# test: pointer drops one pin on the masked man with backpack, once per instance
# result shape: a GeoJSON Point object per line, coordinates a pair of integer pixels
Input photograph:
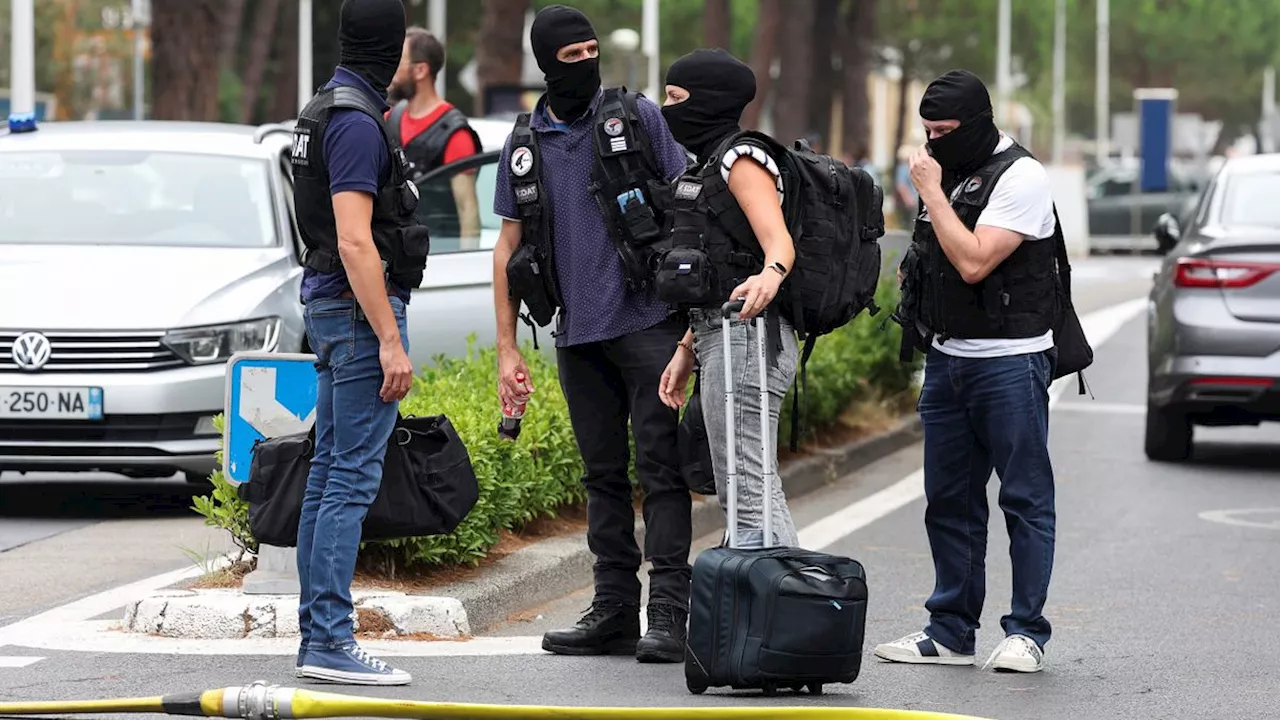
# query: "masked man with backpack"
{"type": "Point", "coordinates": [580, 186]}
{"type": "Point", "coordinates": [707, 90]}
{"type": "Point", "coordinates": [986, 289]}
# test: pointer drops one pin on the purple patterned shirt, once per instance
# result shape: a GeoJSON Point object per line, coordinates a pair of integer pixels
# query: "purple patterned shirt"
{"type": "Point", "coordinates": [597, 304]}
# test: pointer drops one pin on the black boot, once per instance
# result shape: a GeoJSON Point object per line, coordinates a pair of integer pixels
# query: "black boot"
{"type": "Point", "coordinates": [605, 630]}
{"type": "Point", "coordinates": [665, 639]}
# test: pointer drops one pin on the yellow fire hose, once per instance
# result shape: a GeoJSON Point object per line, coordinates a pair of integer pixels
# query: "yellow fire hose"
{"type": "Point", "coordinates": [259, 701]}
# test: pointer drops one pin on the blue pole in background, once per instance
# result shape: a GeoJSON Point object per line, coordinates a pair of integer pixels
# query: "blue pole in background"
{"type": "Point", "coordinates": [1155, 111]}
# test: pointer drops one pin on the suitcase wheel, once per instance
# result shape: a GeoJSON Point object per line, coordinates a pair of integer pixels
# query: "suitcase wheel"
{"type": "Point", "coordinates": [815, 688]}
{"type": "Point", "coordinates": [769, 689]}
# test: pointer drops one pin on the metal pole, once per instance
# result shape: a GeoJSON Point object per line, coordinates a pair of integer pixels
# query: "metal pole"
{"type": "Point", "coordinates": [138, 24]}
{"type": "Point", "coordinates": [649, 46]}
{"type": "Point", "coordinates": [1103, 83]}
{"type": "Point", "coordinates": [304, 53]}
{"type": "Point", "coordinates": [1059, 81]}
{"type": "Point", "coordinates": [22, 66]}
{"type": "Point", "coordinates": [1003, 79]}
{"type": "Point", "coordinates": [436, 23]}
{"type": "Point", "coordinates": [1268, 108]}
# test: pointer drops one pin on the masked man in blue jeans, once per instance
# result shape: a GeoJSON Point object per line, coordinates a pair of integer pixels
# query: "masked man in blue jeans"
{"type": "Point", "coordinates": [346, 185]}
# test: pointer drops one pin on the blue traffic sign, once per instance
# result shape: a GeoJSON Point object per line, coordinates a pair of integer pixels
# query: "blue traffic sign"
{"type": "Point", "coordinates": [268, 395]}
{"type": "Point", "coordinates": [1156, 110]}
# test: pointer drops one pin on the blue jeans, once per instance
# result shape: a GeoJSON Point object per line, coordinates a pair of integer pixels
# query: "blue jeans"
{"type": "Point", "coordinates": [352, 426]}
{"type": "Point", "coordinates": [979, 415]}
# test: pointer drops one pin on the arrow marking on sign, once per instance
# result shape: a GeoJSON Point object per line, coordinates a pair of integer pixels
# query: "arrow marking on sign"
{"type": "Point", "coordinates": [260, 408]}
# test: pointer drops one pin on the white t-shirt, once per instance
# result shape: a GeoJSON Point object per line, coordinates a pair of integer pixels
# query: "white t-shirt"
{"type": "Point", "coordinates": [1022, 202]}
{"type": "Point", "coordinates": [755, 153]}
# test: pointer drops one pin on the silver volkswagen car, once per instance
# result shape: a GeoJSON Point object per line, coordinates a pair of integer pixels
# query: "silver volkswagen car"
{"type": "Point", "coordinates": [137, 257]}
{"type": "Point", "coordinates": [1213, 346]}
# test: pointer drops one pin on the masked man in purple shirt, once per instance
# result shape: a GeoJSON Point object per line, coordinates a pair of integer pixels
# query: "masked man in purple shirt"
{"type": "Point", "coordinates": [363, 256]}
{"type": "Point", "coordinates": [580, 186]}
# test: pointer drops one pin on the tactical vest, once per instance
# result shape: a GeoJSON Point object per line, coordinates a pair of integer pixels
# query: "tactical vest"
{"type": "Point", "coordinates": [402, 244]}
{"type": "Point", "coordinates": [631, 192]}
{"type": "Point", "coordinates": [712, 248]}
{"type": "Point", "coordinates": [1018, 299]}
{"type": "Point", "coordinates": [425, 152]}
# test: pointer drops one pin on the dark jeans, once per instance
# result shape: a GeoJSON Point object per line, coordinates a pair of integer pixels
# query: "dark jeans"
{"type": "Point", "coordinates": [605, 383]}
{"type": "Point", "coordinates": [980, 414]}
{"type": "Point", "coordinates": [352, 428]}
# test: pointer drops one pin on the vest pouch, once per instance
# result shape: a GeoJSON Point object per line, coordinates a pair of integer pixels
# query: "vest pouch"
{"type": "Point", "coordinates": [411, 255]}
{"type": "Point", "coordinates": [527, 283]}
{"type": "Point", "coordinates": [639, 219]}
{"type": "Point", "coordinates": [686, 278]}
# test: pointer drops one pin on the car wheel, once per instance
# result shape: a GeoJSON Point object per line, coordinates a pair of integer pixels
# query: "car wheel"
{"type": "Point", "coordinates": [1169, 435]}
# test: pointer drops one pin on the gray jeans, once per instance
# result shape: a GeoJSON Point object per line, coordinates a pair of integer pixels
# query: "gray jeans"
{"type": "Point", "coordinates": [709, 348]}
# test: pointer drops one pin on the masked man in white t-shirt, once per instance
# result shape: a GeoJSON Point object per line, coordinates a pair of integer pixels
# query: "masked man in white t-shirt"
{"type": "Point", "coordinates": [987, 297]}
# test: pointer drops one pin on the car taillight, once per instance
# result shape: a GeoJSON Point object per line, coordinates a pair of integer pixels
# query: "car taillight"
{"type": "Point", "coordinates": [1202, 273]}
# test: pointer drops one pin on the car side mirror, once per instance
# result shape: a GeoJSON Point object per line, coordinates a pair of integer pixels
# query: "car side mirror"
{"type": "Point", "coordinates": [1167, 231]}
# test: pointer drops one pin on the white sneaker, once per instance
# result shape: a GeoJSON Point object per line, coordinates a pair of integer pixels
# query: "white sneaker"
{"type": "Point", "coordinates": [1018, 653]}
{"type": "Point", "coordinates": [920, 648]}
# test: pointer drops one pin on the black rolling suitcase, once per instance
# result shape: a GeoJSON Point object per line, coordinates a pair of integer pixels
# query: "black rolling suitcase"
{"type": "Point", "coordinates": [777, 617]}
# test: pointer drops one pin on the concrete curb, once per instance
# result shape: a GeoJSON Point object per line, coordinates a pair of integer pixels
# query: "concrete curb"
{"type": "Point", "coordinates": [555, 567]}
{"type": "Point", "coordinates": [526, 578]}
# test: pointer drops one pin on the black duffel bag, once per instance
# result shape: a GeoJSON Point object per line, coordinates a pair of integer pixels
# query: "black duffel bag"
{"type": "Point", "coordinates": [694, 447]}
{"type": "Point", "coordinates": [428, 484]}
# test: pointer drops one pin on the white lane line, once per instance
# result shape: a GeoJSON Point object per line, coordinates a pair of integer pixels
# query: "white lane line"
{"type": "Point", "coordinates": [18, 661]}
{"type": "Point", "coordinates": [1090, 406]}
{"type": "Point", "coordinates": [1098, 326]}
{"type": "Point", "coordinates": [69, 627]}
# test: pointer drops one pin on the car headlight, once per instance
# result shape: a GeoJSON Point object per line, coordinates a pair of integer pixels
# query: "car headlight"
{"type": "Point", "coordinates": [217, 343]}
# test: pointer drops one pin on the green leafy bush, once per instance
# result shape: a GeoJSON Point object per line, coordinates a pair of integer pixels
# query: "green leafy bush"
{"type": "Point", "coordinates": [541, 472]}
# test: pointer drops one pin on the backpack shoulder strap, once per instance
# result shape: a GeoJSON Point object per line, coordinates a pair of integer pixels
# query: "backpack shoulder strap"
{"type": "Point", "coordinates": [396, 117]}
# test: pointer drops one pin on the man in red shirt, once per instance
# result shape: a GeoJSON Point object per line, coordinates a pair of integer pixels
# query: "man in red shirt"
{"type": "Point", "coordinates": [434, 133]}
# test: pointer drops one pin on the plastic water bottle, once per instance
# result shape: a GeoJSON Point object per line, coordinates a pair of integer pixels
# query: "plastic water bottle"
{"type": "Point", "coordinates": [509, 426]}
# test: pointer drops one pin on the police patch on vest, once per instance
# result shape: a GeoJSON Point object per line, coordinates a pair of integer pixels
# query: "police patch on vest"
{"type": "Point", "coordinates": [613, 127]}
{"type": "Point", "coordinates": [526, 194]}
{"type": "Point", "coordinates": [301, 152]}
{"type": "Point", "coordinates": [688, 190]}
{"type": "Point", "coordinates": [973, 184]}
{"type": "Point", "coordinates": [521, 161]}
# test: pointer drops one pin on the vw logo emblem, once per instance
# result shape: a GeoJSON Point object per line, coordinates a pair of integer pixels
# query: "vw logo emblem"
{"type": "Point", "coordinates": [31, 351]}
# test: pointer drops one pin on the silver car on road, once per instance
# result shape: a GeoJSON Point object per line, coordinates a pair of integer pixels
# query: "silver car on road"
{"type": "Point", "coordinates": [137, 257]}
{"type": "Point", "coordinates": [1213, 349]}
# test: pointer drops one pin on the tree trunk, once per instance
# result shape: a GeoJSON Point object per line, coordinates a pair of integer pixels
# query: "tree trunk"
{"type": "Point", "coordinates": [826, 24]}
{"type": "Point", "coordinates": [715, 23]}
{"type": "Point", "coordinates": [264, 27]}
{"type": "Point", "coordinates": [791, 113]}
{"type": "Point", "coordinates": [184, 58]}
{"type": "Point", "coordinates": [763, 51]}
{"type": "Point", "coordinates": [284, 81]}
{"type": "Point", "coordinates": [904, 86]}
{"type": "Point", "coordinates": [230, 41]}
{"type": "Point", "coordinates": [859, 38]}
{"type": "Point", "coordinates": [499, 46]}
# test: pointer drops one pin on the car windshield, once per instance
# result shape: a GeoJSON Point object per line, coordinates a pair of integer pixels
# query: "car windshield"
{"type": "Point", "coordinates": [125, 197]}
{"type": "Point", "coordinates": [1249, 199]}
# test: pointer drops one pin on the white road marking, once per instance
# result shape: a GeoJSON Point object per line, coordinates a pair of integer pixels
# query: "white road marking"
{"type": "Point", "coordinates": [69, 627]}
{"type": "Point", "coordinates": [18, 661]}
{"type": "Point", "coordinates": [1227, 517]}
{"type": "Point", "coordinates": [1089, 406]}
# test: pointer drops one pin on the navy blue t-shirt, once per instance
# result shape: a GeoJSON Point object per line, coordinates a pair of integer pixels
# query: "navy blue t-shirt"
{"type": "Point", "coordinates": [356, 155]}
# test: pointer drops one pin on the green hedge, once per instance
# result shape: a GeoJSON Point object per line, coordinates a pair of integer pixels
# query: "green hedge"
{"type": "Point", "coordinates": [541, 472]}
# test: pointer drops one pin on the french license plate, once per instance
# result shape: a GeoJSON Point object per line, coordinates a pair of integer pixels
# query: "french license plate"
{"type": "Point", "coordinates": [51, 403]}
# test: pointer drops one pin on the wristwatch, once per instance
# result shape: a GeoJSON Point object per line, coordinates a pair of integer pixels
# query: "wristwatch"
{"type": "Point", "coordinates": [779, 267]}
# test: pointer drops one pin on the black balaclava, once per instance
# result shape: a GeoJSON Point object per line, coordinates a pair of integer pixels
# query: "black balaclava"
{"type": "Point", "coordinates": [960, 95]}
{"type": "Point", "coordinates": [371, 39]}
{"type": "Point", "coordinates": [570, 86]}
{"type": "Point", "coordinates": [720, 88]}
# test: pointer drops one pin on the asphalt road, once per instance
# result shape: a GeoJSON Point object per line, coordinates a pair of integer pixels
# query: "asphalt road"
{"type": "Point", "coordinates": [1158, 612]}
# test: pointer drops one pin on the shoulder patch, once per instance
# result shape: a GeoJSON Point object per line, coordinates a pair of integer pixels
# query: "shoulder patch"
{"type": "Point", "coordinates": [521, 161]}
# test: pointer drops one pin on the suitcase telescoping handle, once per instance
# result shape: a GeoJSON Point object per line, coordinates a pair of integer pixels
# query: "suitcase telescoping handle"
{"type": "Point", "coordinates": [767, 457]}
